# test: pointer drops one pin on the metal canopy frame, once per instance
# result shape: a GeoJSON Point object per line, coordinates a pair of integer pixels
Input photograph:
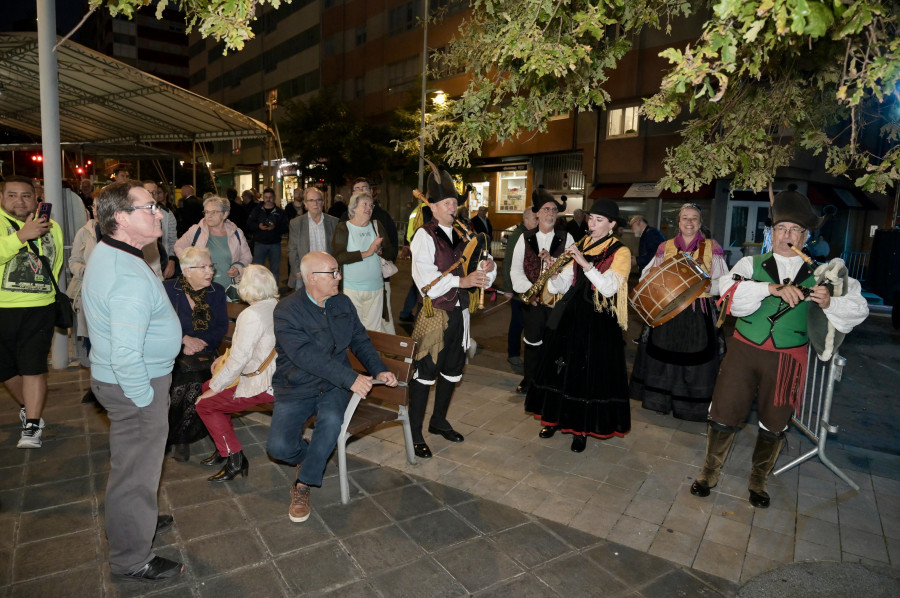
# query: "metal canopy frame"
{"type": "Point", "coordinates": [103, 100]}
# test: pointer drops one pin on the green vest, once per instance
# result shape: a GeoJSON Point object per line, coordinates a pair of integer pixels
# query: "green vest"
{"type": "Point", "coordinates": [790, 329]}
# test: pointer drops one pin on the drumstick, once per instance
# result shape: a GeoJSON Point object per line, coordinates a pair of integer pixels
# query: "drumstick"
{"type": "Point", "coordinates": [481, 298]}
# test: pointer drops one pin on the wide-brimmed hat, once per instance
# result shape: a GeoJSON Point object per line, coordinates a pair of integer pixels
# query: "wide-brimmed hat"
{"type": "Point", "coordinates": [608, 208]}
{"type": "Point", "coordinates": [440, 185]}
{"type": "Point", "coordinates": [541, 196]}
{"type": "Point", "coordinates": [793, 206]}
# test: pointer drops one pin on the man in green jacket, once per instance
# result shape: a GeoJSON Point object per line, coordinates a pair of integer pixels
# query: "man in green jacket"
{"type": "Point", "coordinates": [27, 297]}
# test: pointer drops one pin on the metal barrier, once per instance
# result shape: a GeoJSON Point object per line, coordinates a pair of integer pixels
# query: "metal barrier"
{"type": "Point", "coordinates": [857, 262]}
{"type": "Point", "coordinates": [812, 419]}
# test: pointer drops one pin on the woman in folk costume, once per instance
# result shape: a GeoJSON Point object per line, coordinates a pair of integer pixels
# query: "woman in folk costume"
{"type": "Point", "coordinates": [581, 386]}
{"type": "Point", "coordinates": [677, 362]}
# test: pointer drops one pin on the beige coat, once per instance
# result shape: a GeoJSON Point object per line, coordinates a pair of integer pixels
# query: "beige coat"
{"type": "Point", "coordinates": [253, 340]}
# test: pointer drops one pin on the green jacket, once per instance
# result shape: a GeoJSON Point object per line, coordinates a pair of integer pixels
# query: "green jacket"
{"type": "Point", "coordinates": [23, 279]}
{"type": "Point", "coordinates": [789, 330]}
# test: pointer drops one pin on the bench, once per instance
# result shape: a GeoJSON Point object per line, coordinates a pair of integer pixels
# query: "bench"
{"type": "Point", "coordinates": [383, 403]}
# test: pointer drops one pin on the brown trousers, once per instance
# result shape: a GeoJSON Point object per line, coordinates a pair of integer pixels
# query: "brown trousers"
{"type": "Point", "coordinates": [748, 373]}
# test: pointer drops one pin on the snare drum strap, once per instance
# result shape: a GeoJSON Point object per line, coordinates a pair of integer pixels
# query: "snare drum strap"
{"type": "Point", "coordinates": [726, 298]}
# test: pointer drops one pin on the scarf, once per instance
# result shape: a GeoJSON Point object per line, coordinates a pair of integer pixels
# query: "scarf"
{"type": "Point", "coordinates": [201, 315]}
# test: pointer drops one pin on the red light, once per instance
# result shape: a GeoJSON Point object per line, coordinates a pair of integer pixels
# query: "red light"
{"type": "Point", "coordinates": [89, 162]}
{"type": "Point", "coordinates": [79, 170]}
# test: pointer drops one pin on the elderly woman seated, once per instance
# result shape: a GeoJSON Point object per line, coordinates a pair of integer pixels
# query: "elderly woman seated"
{"type": "Point", "coordinates": [227, 245]}
{"type": "Point", "coordinates": [200, 305]}
{"type": "Point", "coordinates": [357, 246]}
{"type": "Point", "coordinates": [243, 376]}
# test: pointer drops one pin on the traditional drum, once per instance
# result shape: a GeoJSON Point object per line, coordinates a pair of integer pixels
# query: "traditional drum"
{"type": "Point", "coordinates": [669, 289]}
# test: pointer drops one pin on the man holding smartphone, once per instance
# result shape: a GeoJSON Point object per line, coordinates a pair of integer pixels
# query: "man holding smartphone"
{"type": "Point", "coordinates": [27, 296]}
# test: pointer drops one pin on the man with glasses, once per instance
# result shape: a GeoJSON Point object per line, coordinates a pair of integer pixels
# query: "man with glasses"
{"type": "Point", "coordinates": [27, 298]}
{"type": "Point", "coordinates": [765, 360]}
{"type": "Point", "coordinates": [314, 327]}
{"type": "Point", "coordinates": [309, 232]}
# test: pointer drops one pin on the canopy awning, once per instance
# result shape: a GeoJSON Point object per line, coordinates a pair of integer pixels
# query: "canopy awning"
{"type": "Point", "coordinates": [102, 100]}
{"type": "Point", "coordinates": [646, 190]}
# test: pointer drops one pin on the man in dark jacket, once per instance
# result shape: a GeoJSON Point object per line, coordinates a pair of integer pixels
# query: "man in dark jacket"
{"type": "Point", "coordinates": [650, 240]}
{"type": "Point", "coordinates": [268, 224]}
{"type": "Point", "coordinates": [313, 330]}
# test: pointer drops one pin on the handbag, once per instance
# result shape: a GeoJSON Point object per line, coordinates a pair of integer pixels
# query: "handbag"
{"type": "Point", "coordinates": [197, 362]}
{"type": "Point", "coordinates": [262, 367]}
{"type": "Point", "coordinates": [64, 315]}
{"type": "Point", "coordinates": [388, 268]}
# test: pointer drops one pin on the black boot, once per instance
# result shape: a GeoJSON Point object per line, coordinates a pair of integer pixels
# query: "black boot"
{"type": "Point", "coordinates": [214, 459]}
{"type": "Point", "coordinates": [181, 452]}
{"type": "Point", "coordinates": [235, 464]}
{"type": "Point", "coordinates": [765, 453]}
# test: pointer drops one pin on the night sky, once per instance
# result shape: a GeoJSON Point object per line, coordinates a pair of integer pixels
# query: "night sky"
{"type": "Point", "coordinates": [22, 15]}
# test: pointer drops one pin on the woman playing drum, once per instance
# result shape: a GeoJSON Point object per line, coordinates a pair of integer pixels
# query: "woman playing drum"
{"type": "Point", "coordinates": [581, 386]}
{"type": "Point", "coordinates": [677, 362]}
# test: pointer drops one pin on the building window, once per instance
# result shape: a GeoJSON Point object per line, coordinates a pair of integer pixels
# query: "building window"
{"type": "Point", "coordinates": [360, 36]}
{"type": "Point", "coordinates": [359, 87]}
{"type": "Point", "coordinates": [404, 17]}
{"type": "Point", "coordinates": [623, 122]}
{"type": "Point", "coordinates": [402, 74]}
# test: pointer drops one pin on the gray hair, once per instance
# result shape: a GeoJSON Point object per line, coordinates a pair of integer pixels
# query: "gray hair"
{"type": "Point", "coordinates": [257, 284]}
{"type": "Point", "coordinates": [192, 256]}
{"type": "Point", "coordinates": [219, 202]}
{"type": "Point", "coordinates": [115, 197]}
{"type": "Point", "coordinates": [355, 199]}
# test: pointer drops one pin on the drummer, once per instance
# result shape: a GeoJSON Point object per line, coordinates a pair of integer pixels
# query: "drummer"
{"type": "Point", "coordinates": [535, 251]}
{"type": "Point", "coordinates": [677, 362]}
{"type": "Point", "coordinates": [442, 338]}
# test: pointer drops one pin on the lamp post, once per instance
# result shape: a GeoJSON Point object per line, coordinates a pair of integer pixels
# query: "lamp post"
{"type": "Point", "coordinates": [424, 94]}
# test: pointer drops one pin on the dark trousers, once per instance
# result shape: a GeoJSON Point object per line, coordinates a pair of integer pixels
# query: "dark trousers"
{"type": "Point", "coordinates": [272, 252]}
{"type": "Point", "coordinates": [137, 440]}
{"type": "Point", "coordinates": [516, 326]}
{"type": "Point", "coordinates": [409, 304]}
{"type": "Point", "coordinates": [286, 442]}
{"type": "Point", "coordinates": [535, 318]}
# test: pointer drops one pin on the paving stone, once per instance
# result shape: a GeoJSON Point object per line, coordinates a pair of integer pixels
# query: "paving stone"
{"type": "Point", "coordinates": [478, 564]}
{"type": "Point", "coordinates": [53, 555]}
{"type": "Point", "coordinates": [864, 544]}
{"type": "Point", "coordinates": [186, 493]}
{"type": "Point", "coordinates": [209, 518]}
{"type": "Point", "coordinates": [719, 560]}
{"type": "Point", "coordinates": [375, 480]}
{"type": "Point", "coordinates": [353, 518]}
{"type": "Point", "coordinates": [438, 530]}
{"type": "Point", "coordinates": [258, 581]}
{"type": "Point", "coordinates": [522, 586]}
{"type": "Point", "coordinates": [489, 517]}
{"type": "Point", "coordinates": [281, 535]}
{"type": "Point", "coordinates": [675, 546]}
{"type": "Point", "coordinates": [74, 583]}
{"type": "Point", "coordinates": [408, 501]}
{"type": "Point", "coordinates": [223, 552]}
{"type": "Point", "coordinates": [628, 566]}
{"type": "Point", "coordinates": [422, 578]}
{"type": "Point", "coordinates": [635, 533]}
{"type": "Point", "coordinates": [382, 549]}
{"type": "Point", "coordinates": [53, 494]}
{"type": "Point", "coordinates": [56, 521]}
{"type": "Point", "coordinates": [357, 589]}
{"type": "Point", "coordinates": [577, 575]}
{"type": "Point", "coordinates": [267, 505]}
{"type": "Point", "coordinates": [531, 544]}
{"type": "Point", "coordinates": [679, 583]}
{"type": "Point", "coordinates": [727, 532]}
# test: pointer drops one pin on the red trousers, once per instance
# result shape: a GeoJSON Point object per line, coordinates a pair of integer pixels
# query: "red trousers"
{"type": "Point", "coordinates": [216, 415]}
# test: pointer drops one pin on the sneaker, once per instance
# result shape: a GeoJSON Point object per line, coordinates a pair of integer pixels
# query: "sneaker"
{"type": "Point", "coordinates": [22, 418]}
{"type": "Point", "coordinates": [299, 509]}
{"type": "Point", "coordinates": [31, 437]}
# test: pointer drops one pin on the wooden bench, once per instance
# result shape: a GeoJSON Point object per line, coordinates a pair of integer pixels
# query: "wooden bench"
{"type": "Point", "coordinates": [383, 403]}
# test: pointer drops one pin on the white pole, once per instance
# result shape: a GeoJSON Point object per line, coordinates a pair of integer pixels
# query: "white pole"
{"type": "Point", "coordinates": [46, 13]}
{"type": "Point", "coordinates": [424, 87]}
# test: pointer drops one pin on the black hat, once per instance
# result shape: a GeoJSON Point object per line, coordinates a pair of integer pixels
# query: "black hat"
{"type": "Point", "coordinates": [792, 206]}
{"type": "Point", "coordinates": [608, 208]}
{"type": "Point", "coordinates": [441, 185]}
{"type": "Point", "coordinates": [540, 196]}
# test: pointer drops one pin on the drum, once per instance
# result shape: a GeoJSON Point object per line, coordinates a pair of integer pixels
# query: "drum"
{"type": "Point", "coordinates": [669, 289]}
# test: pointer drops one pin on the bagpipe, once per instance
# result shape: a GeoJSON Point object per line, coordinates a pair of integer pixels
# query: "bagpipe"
{"type": "Point", "coordinates": [473, 253]}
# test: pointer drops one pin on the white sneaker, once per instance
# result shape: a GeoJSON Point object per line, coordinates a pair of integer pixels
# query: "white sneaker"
{"type": "Point", "coordinates": [31, 437]}
{"type": "Point", "coordinates": [22, 418]}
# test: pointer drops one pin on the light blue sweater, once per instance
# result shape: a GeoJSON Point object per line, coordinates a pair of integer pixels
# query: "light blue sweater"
{"type": "Point", "coordinates": [135, 333]}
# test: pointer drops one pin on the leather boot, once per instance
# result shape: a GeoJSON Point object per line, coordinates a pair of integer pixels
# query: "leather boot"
{"type": "Point", "coordinates": [765, 453]}
{"type": "Point", "coordinates": [214, 459]}
{"type": "Point", "coordinates": [718, 440]}
{"type": "Point", "coordinates": [235, 464]}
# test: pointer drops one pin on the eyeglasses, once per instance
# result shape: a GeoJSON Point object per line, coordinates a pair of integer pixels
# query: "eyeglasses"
{"type": "Point", "coordinates": [361, 188]}
{"type": "Point", "coordinates": [209, 267]}
{"type": "Point", "coordinates": [333, 273]}
{"type": "Point", "coordinates": [153, 207]}
{"type": "Point", "coordinates": [208, 212]}
{"type": "Point", "coordinates": [317, 200]}
{"type": "Point", "coordinates": [793, 230]}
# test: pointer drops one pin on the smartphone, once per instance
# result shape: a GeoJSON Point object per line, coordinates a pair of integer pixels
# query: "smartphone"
{"type": "Point", "coordinates": [44, 210]}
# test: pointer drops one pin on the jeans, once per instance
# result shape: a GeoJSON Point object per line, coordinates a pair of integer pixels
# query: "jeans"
{"type": "Point", "coordinates": [409, 304]}
{"type": "Point", "coordinates": [286, 442]}
{"type": "Point", "coordinates": [272, 251]}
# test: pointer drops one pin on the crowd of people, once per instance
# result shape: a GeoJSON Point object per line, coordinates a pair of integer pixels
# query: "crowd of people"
{"type": "Point", "coordinates": [151, 290]}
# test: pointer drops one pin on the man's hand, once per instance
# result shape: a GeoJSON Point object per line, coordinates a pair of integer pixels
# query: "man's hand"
{"type": "Point", "coordinates": [362, 386]}
{"type": "Point", "coordinates": [545, 257]}
{"type": "Point", "coordinates": [475, 279]}
{"type": "Point", "coordinates": [787, 293]}
{"type": "Point", "coordinates": [169, 272]}
{"type": "Point", "coordinates": [233, 272]}
{"type": "Point", "coordinates": [33, 228]}
{"type": "Point", "coordinates": [192, 345]}
{"type": "Point", "coordinates": [487, 265]}
{"type": "Point", "coordinates": [388, 378]}
{"type": "Point", "coordinates": [821, 296]}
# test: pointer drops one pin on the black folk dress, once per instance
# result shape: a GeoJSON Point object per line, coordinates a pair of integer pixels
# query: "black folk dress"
{"type": "Point", "coordinates": [581, 384]}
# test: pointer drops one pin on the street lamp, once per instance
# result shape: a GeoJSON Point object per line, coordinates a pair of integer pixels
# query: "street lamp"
{"type": "Point", "coordinates": [424, 94]}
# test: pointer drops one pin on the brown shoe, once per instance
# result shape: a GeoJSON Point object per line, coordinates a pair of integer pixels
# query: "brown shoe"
{"type": "Point", "coordinates": [299, 509]}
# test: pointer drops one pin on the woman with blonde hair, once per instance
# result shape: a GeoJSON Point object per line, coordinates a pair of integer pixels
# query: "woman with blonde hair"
{"type": "Point", "coordinates": [357, 246]}
{"type": "Point", "coordinates": [244, 379]}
